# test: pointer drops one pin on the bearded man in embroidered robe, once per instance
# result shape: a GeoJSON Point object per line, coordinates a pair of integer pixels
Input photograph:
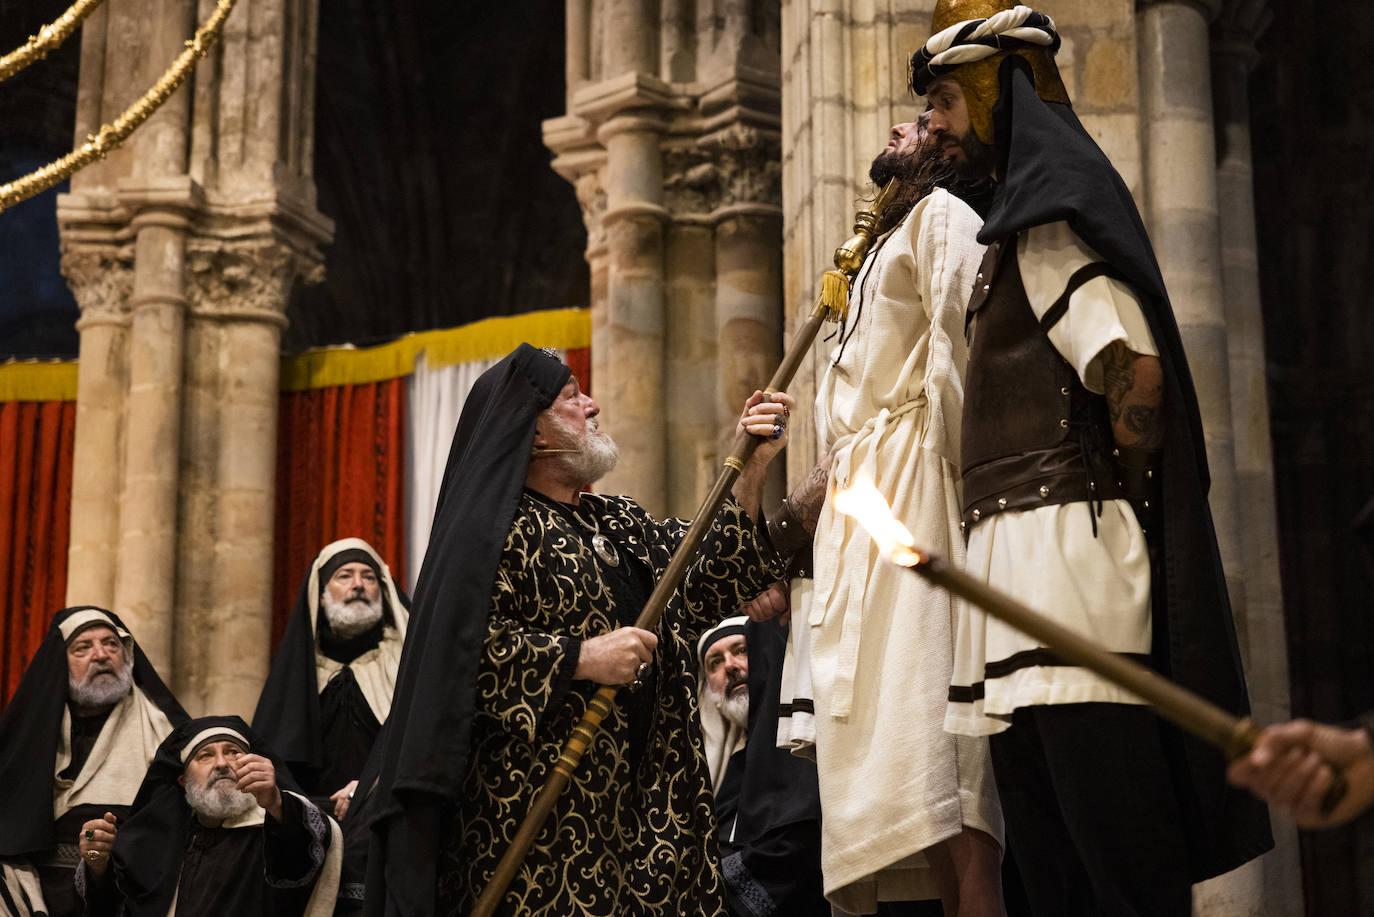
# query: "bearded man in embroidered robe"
{"type": "Point", "coordinates": [92, 708]}
{"type": "Point", "coordinates": [218, 827]}
{"type": "Point", "coordinates": [524, 608]}
{"type": "Point", "coordinates": [331, 682]}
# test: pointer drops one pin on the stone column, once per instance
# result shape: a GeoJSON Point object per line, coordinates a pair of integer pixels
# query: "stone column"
{"type": "Point", "coordinates": [631, 384]}
{"type": "Point", "coordinates": [748, 314]}
{"type": "Point", "coordinates": [1182, 215]}
{"type": "Point", "coordinates": [1233, 56]}
{"type": "Point", "coordinates": [145, 579]}
{"type": "Point", "coordinates": [101, 283]}
{"type": "Point", "coordinates": [693, 455]}
{"type": "Point", "coordinates": [240, 619]}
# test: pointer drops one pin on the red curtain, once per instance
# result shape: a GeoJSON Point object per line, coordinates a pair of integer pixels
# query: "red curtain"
{"type": "Point", "coordinates": [35, 504]}
{"type": "Point", "coordinates": [340, 473]}
{"type": "Point", "coordinates": [580, 361]}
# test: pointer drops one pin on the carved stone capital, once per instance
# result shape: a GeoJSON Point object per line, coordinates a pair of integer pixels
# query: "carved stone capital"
{"type": "Point", "coordinates": [750, 163]}
{"type": "Point", "coordinates": [591, 195]}
{"type": "Point", "coordinates": [244, 281]}
{"type": "Point", "coordinates": [101, 277]}
{"type": "Point", "coordinates": [1211, 9]}
{"type": "Point", "coordinates": [1237, 32]}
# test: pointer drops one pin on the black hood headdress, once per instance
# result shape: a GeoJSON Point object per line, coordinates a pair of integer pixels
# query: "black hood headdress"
{"type": "Point", "coordinates": [31, 725]}
{"type": "Point", "coordinates": [424, 747]}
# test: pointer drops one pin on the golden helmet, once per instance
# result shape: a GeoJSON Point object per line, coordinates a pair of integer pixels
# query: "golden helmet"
{"type": "Point", "coordinates": [960, 27]}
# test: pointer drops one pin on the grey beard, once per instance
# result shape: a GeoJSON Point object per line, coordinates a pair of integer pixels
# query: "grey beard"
{"type": "Point", "coordinates": [92, 696]}
{"type": "Point", "coordinates": [218, 805]}
{"type": "Point", "coordinates": [734, 708]}
{"type": "Point", "coordinates": [349, 619]}
{"type": "Point", "coordinates": [596, 454]}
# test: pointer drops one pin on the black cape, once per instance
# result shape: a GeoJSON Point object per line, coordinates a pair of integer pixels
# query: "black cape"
{"type": "Point", "coordinates": [423, 751]}
{"type": "Point", "coordinates": [776, 845]}
{"type": "Point", "coordinates": [1052, 170]}
{"type": "Point", "coordinates": [30, 732]}
{"type": "Point", "coordinates": [289, 715]}
{"type": "Point", "coordinates": [151, 842]}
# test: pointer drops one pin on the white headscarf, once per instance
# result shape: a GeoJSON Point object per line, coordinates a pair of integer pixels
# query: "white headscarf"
{"type": "Point", "coordinates": [720, 737]}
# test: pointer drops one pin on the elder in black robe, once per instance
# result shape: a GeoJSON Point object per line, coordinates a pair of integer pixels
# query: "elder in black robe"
{"type": "Point", "coordinates": [75, 742]}
{"type": "Point", "coordinates": [522, 610]}
{"type": "Point", "coordinates": [216, 829]}
{"type": "Point", "coordinates": [768, 805]}
{"type": "Point", "coordinates": [332, 679]}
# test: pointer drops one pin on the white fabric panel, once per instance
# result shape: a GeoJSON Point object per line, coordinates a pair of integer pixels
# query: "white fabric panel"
{"type": "Point", "coordinates": [436, 402]}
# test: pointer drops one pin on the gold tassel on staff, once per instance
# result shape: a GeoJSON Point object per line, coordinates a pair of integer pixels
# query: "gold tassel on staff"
{"type": "Point", "coordinates": [1233, 735]}
{"type": "Point", "coordinates": [830, 304]}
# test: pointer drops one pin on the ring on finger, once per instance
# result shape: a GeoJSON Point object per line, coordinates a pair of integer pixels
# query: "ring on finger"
{"type": "Point", "coordinates": [92, 855]}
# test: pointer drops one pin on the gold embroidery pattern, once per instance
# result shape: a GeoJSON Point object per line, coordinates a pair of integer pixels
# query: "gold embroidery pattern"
{"type": "Point", "coordinates": [618, 844]}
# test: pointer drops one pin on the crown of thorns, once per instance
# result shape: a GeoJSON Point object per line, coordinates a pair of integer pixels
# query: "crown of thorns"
{"type": "Point", "coordinates": [978, 39]}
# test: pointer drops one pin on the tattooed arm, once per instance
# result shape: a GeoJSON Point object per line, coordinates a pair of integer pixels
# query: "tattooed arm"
{"type": "Point", "coordinates": [1134, 386]}
{"type": "Point", "coordinates": [791, 528]}
{"type": "Point", "coordinates": [802, 507]}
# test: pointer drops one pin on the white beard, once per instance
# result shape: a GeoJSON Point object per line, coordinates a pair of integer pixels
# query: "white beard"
{"type": "Point", "coordinates": [219, 802]}
{"type": "Point", "coordinates": [351, 618]}
{"type": "Point", "coordinates": [734, 708]}
{"type": "Point", "coordinates": [97, 693]}
{"type": "Point", "coordinates": [596, 454]}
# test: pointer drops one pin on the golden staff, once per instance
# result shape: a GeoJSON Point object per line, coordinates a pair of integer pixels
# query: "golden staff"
{"type": "Point", "coordinates": [1233, 735]}
{"type": "Point", "coordinates": [832, 303]}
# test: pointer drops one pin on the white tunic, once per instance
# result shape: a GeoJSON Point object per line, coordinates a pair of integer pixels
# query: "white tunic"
{"type": "Point", "coordinates": [892, 781]}
{"type": "Point", "coordinates": [1048, 557]}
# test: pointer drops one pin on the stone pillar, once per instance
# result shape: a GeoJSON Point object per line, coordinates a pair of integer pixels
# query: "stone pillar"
{"type": "Point", "coordinates": [1233, 56]}
{"type": "Point", "coordinates": [1182, 213]}
{"type": "Point", "coordinates": [631, 386]}
{"type": "Point", "coordinates": [101, 282]}
{"type": "Point", "coordinates": [748, 314]}
{"type": "Point", "coordinates": [240, 619]}
{"type": "Point", "coordinates": [211, 203]}
{"type": "Point", "coordinates": [145, 580]}
{"type": "Point", "coordinates": [693, 453]}
{"type": "Point", "coordinates": [659, 140]}
{"type": "Point", "coordinates": [843, 86]}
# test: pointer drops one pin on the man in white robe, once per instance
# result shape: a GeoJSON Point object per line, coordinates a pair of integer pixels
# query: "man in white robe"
{"type": "Point", "coordinates": [908, 810]}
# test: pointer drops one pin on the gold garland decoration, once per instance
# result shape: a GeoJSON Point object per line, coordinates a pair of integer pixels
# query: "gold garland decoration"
{"type": "Point", "coordinates": [48, 37]}
{"type": "Point", "coordinates": [110, 136]}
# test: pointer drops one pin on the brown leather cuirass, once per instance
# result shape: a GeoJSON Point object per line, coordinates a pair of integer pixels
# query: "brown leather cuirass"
{"type": "Point", "coordinates": [1032, 434]}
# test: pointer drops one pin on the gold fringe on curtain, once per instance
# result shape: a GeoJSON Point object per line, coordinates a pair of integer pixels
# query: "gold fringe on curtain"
{"type": "Point", "coordinates": [112, 135]}
{"type": "Point", "coordinates": [48, 37]}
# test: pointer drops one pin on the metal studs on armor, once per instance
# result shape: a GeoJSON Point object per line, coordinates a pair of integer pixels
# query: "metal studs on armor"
{"type": "Point", "coordinates": [1064, 390]}
{"type": "Point", "coordinates": [987, 287]}
{"type": "Point", "coordinates": [1149, 473]}
{"type": "Point", "coordinates": [1116, 453]}
{"type": "Point", "coordinates": [1044, 490]}
{"type": "Point", "coordinates": [976, 515]}
{"type": "Point", "coordinates": [980, 275]}
{"type": "Point", "coordinates": [1001, 502]}
{"type": "Point", "coordinates": [1092, 486]}
{"type": "Point", "coordinates": [963, 527]}
{"type": "Point", "coordinates": [1063, 421]}
{"type": "Point", "coordinates": [782, 523]}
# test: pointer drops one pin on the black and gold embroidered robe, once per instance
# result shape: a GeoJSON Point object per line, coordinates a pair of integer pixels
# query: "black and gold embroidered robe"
{"type": "Point", "coordinates": [633, 834]}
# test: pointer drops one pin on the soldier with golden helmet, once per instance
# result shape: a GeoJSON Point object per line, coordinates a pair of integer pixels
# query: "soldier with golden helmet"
{"type": "Point", "coordinates": [1084, 491]}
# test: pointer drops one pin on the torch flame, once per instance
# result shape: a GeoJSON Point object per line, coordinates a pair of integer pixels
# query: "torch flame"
{"type": "Point", "coordinates": [863, 501]}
